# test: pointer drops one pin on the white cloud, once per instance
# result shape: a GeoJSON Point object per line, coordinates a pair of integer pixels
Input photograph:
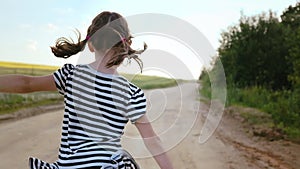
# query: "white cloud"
{"type": "Point", "coordinates": [51, 27]}
{"type": "Point", "coordinates": [32, 45]}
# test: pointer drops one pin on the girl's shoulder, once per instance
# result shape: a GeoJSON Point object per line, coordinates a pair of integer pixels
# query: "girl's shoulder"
{"type": "Point", "coordinates": [67, 67]}
{"type": "Point", "coordinates": [120, 79]}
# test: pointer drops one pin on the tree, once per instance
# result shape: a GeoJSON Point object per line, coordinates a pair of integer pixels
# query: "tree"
{"type": "Point", "coordinates": [291, 21]}
{"type": "Point", "coordinates": [254, 53]}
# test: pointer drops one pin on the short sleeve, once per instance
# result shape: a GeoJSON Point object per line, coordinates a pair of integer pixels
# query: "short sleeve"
{"type": "Point", "coordinates": [136, 105]}
{"type": "Point", "coordinates": [60, 77]}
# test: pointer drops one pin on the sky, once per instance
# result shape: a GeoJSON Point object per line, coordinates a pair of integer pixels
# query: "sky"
{"type": "Point", "coordinates": [29, 27]}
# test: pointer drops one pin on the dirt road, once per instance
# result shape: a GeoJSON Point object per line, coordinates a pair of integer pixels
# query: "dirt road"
{"type": "Point", "coordinates": [175, 114]}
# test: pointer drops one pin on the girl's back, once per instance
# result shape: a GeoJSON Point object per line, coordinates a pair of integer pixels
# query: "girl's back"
{"type": "Point", "coordinates": [98, 106]}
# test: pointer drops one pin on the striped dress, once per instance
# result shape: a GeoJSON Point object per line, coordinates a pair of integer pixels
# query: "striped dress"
{"type": "Point", "coordinates": [97, 108]}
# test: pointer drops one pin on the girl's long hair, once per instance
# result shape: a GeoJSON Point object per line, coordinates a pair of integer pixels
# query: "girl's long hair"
{"type": "Point", "coordinates": [108, 32]}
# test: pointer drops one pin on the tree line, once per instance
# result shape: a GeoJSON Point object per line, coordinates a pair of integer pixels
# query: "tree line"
{"type": "Point", "coordinates": [263, 52]}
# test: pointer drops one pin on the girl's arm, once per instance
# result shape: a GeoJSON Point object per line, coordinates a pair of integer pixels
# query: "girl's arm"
{"type": "Point", "coordinates": [152, 143]}
{"type": "Point", "coordinates": [26, 84]}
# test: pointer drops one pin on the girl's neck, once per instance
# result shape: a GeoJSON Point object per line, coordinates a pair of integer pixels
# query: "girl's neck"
{"type": "Point", "coordinates": [100, 65]}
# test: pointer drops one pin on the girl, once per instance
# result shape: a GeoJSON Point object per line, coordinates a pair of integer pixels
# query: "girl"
{"type": "Point", "coordinates": [98, 101]}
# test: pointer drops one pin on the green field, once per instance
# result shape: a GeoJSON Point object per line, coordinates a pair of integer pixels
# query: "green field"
{"type": "Point", "coordinates": [28, 69]}
{"type": "Point", "coordinates": [14, 102]}
{"type": "Point", "coordinates": [151, 82]}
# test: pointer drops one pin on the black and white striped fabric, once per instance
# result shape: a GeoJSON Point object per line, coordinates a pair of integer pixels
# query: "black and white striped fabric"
{"type": "Point", "coordinates": [97, 108]}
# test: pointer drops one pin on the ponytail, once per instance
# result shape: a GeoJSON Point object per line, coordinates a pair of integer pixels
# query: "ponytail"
{"type": "Point", "coordinates": [64, 48]}
{"type": "Point", "coordinates": [114, 36]}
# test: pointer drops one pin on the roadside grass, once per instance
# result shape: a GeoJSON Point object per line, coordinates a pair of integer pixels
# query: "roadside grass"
{"type": "Point", "coordinates": [10, 103]}
{"type": "Point", "coordinates": [257, 118]}
{"type": "Point", "coordinates": [278, 109]}
{"type": "Point", "coordinates": [14, 102]}
{"type": "Point", "coordinates": [280, 106]}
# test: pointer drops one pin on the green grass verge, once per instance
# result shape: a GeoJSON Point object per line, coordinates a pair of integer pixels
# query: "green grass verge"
{"type": "Point", "coordinates": [280, 107]}
{"type": "Point", "coordinates": [14, 102]}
